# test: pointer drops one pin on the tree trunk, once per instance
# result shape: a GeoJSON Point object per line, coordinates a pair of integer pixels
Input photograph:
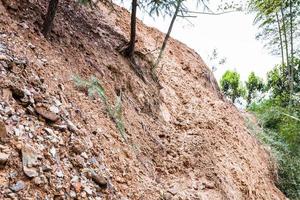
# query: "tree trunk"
{"type": "Point", "coordinates": [48, 22]}
{"type": "Point", "coordinates": [167, 35]}
{"type": "Point", "coordinates": [286, 46]}
{"type": "Point", "coordinates": [130, 49]}
{"type": "Point", "coordinates": [292, 48]}
{"type": "Point", "coordinates": [248, 100]}
{"type": "Point", "coordinates": [280, 38]}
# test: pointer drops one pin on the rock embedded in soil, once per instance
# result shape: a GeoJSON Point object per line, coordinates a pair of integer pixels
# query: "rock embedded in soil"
{"type": "Point", "coordinates": [72, 194]}
{"type": "Point", "coordinates": [78, 161]}
{"type": "Point", "coordinates": [71, 126]}
{"type": "Point", "coordinates": [45, 113]}
{"type": "Point", "coordinates": [3, 158]}
{"type": "Point", "coordinates": [54, 109]}
{"type": "Point", "coordinates": [60, 174]}
{"type": "Point", "coordinates": [46, 168]}
{"type": "Point", "coordinates": [38, 180]}
{"type": "Point", "coordinates": [20, 185]}
{"type": "Point", "coordinates": [30, 172]}
{"type": "Point", "coordinates": [78, 147]}
{"type": "Point", "coordinates": [3, 57]}
{"type": "Point", "coordinates": [29, 159]}
{"type": "Point", "coordinates": [209, 185]}
{"type": "Point", "coordinates": [167, 196]}
{"type": "Point", "coordinates": [7, 94]}
{"type": "Point", "coordinates": [99, 179]}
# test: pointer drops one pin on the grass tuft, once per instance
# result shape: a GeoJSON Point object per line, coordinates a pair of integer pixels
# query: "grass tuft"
{"type": "Point", "coordinates": [94, 87]}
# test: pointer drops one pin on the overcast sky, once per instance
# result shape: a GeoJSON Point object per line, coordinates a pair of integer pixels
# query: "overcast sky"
{"type": "Point", "coordinates": [233, 35]}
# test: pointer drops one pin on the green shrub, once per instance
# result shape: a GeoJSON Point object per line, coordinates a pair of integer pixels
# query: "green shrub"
{"type": "Point", "coordinates": [281, 131]}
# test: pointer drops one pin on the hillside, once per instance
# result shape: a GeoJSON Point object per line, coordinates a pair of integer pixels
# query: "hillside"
{"type": "Point", "coordinates": [184, 141]}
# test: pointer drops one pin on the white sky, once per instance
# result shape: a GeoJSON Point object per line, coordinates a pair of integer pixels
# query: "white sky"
{"type": "Point", "coordinates": [233, 35]}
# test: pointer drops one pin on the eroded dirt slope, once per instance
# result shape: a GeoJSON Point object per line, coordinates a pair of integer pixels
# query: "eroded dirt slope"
{"type": "Point", "coordinates": [183, 140]}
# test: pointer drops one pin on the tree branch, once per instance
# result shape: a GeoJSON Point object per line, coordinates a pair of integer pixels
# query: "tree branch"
{"type": "Point", "coordinates": [212, 13]}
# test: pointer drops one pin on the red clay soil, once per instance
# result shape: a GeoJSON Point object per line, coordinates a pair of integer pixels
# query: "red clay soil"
{"type": "Point", "coordinates": [184, 141]}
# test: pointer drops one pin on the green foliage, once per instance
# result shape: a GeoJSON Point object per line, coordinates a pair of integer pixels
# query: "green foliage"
{"type": "Point", "coordinates": [168, 7]}
{"type": "Point", "coordinates": [163, 7]}
{"type": "Point", "coordinates": [254, 84]}
{"type": "Point", "coordinates": [231, 85]}
{"type": "Point", "coordinates": [277, 82]}
{"type": "Point", "coordinates": [279, 116]}
{"type": "Point", "coordinates": [274, 18]}
{"type": "Point", "coordinates": [93, 88]}
{"type": "Point", "coordinates": [281, 131]}
{"type": "Point", "coordinates": [296, 77]}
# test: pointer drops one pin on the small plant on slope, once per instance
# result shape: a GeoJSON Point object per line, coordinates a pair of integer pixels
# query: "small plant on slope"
{"type": "Point", "coordinates": [115, 112]}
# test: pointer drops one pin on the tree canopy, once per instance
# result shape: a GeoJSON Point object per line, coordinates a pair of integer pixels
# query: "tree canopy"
{"type": "Point", "coordinates": [231, 85]}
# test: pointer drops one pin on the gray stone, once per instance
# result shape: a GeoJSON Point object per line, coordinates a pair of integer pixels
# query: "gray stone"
{"type": "Point", "coordinates": [71, 126]}
{"type": "Point", "coordinates": [54, 109]}
{"type": "Point", "coordinates": [38, 181]}
{"type": "Point", "coordinates": [29, 159]}
{"type": "Point", "coordinates": [88, 190]}
{"type": "Point", "coordinates": [53, 152]}
{"type": "Point", "coordinates": [59, 174]}
{"type": "Point", "coordinates": [72, 194]}
{"type": "Point", "coordinates": [167, 196]}
{"type": "Point", "coordinates": [46, 168]}
{"type": "Point", "coordinates": [30, 172]}
{"type": "Point", "coordinates": [20, 185]}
